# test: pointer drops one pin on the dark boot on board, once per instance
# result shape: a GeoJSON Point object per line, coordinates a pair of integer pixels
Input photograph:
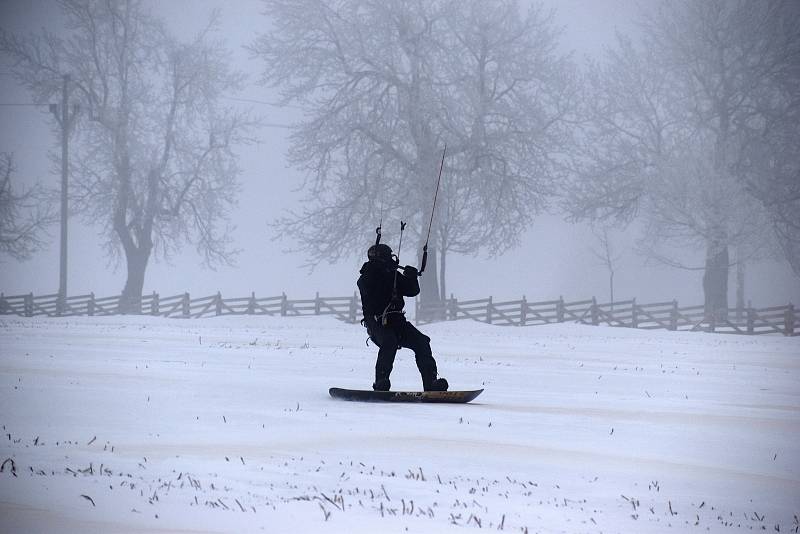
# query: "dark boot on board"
{"type": "Point", "coordinates": [434, 384]}
{"type": "Point", "coordinates": [440, 384]}
{"type": "Point", "coordinates": [382, 384]}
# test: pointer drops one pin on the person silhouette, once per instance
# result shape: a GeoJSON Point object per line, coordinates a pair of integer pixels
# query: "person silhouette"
{"type": "Point", "coordinates": [383, 284]}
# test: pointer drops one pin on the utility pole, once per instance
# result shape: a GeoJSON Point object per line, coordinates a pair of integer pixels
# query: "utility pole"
{"type": "Point", "coordinates": [65, 121]}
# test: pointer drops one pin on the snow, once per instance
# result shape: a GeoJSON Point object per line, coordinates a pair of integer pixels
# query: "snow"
{"type": "Point", "coordinates": [131, 424]}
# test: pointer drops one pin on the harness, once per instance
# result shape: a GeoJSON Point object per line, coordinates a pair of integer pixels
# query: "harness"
{"type": "Point", "coordinates": [387, 311]}
{"type": "Point", "coordinates": [384, 317]}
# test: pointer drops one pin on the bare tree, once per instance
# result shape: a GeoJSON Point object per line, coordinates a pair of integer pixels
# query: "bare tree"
{"type": "Point", "coordinates": [776, 185]}
{"type": "Point", "coordinates": [154, 162]}
{"type": "Point", "coordinates": [24, 215]}
{"type": "Point", "coordinates": [385, 85]}
{"type": "Point", "coordinates": [769, 162]}
{"type": "Point", "coordinates": [669, 119]}
{"type": "Point", "coordinates": [607, 256]}
{"type": "Point", "coordinates": [692, 203]}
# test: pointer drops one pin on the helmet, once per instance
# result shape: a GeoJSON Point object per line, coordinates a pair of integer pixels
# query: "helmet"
{"type": "Point", "coordinates": [379, 252]}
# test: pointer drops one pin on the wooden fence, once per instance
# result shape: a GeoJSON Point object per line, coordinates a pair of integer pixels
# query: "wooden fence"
{"type": "Point", "coordinates": [630, 314]}
{"type": "Point", "coordinates": [182, 305]}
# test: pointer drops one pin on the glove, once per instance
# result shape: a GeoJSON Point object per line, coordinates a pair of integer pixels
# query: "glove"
{"type": "Point", "coordinates": [410, 271]}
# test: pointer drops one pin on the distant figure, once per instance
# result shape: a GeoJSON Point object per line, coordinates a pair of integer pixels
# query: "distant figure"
{"type": "Point", "coordinates": [382, 289]}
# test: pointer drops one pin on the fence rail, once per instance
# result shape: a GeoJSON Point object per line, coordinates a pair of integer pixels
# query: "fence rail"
{"type": "Point", "coordinates": [627, 313]}
{"type": "Point", "coordinates": [181, 305]}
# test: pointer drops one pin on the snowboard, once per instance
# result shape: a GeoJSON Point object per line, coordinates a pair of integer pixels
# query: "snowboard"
{"type": "Point", "coordinates": [404, 396]}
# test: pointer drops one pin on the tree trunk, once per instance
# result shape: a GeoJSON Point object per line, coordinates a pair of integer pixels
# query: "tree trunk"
{"type": "Point", "coordinates": [715, 281]}
{"type": "Point", "coordinates": [740, 269]}
{"type": "Point", "coordinates": [429, 288]}
{"type": "Point", "coordinates": [442, 272]}
{"type": "Point", "coordinates": [611, 287]}
{"type": "Point", "coordinates": [131, 299]}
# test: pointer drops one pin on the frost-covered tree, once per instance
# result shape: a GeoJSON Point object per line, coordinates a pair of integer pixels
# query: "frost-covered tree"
{"type": "Point", "coordinates": [669, 119]}
{"type": "Point", "coordinates": [152, 155]}
{"type": "Point", "coordinates": [692, 203]}
{"type": "Point", "coordinates": [24, 214]}
{"type": "Point", "coordinates": [773, 177]}
{"type": "Point", "coordinates": [384, 85]}
{"type": "Point", "coordinates": [769, 162]}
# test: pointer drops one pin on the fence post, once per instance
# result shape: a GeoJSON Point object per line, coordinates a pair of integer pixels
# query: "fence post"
{"type": "Point", "coordinates": [316, 304]}
{"type": "Point", "coordinates": [185, 305]}
{"type": "Point", "coordinates": [489, 310]}
{"type": "Point", "coordinates": [29, 305]}
{"type": "Point", "coordinates": [634, 316]}
{"type": "Point", "coordinates": [353, 308]}
{"type": "Point", "coordinates": [560, 309]}
{"type": "Point", "coordinates": [90, 305]}
{"type": "Point", "coordinates": [251, 304]}
{"type": "Point", "coordinates": [155, 304]}
{"type": "Point", "coordinates": [3, 304]}
{"type": "Point", "coordinates": [218, 304]}
{"type": "Point", "coordinates": [788, 321]}
{"type": "Point", "coordinates": [673, 316]}
{"type": "Point", "coordinates": [523, 311]}
{"type": "Point", "coordinates": [595, 315]}
{"type": "Point", "coordinates": [751, 319]}
{"type": "Point", "coordinates": [284, 305]}
{"type": "Point", "coordinates": [453, 308]}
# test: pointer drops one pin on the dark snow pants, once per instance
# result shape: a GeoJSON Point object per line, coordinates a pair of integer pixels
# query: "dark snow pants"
{"type": "Point", "coordinates": [402, 335]}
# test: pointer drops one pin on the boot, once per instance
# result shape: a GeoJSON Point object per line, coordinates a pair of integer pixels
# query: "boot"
{"type": "Point", "coordinates": [382, 384]}
{"type": "Point", "coordinates": [440, 384]}
{"type": "Point", "coordinates": [431, 383]}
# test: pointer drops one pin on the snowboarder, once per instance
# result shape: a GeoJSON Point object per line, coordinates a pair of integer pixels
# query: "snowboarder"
{"type": "Point", "coordinates": [382, 289]}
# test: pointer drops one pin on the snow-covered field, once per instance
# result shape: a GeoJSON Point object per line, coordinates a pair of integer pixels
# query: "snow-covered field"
{"type": "Point", "coordinates": [225, 425]}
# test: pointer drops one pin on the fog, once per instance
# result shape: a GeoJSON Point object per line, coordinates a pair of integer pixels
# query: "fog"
{"type": "Point", "coordinates": [553, 257]}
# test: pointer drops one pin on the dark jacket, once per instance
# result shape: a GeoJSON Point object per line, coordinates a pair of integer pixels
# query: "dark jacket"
{"type": "Point", "coordinates": [376, 283]}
